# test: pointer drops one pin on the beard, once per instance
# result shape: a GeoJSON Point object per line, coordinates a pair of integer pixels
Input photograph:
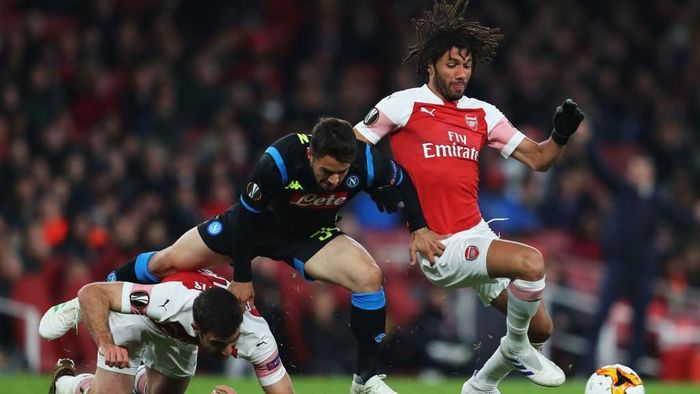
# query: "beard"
{"type": "Point", "coordinates": [444, 88]}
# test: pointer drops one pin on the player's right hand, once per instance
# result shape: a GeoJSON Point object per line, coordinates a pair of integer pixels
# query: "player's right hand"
{"type": "Point", "coordinates": [115, 356]}
{"type": "Point", "coordinates": [427, 243]}
{"type": "Point", "coordinates": [243, 291]}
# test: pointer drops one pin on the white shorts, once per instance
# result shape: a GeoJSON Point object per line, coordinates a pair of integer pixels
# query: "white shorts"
{"type": "Point", "coordinates": [463, 263]}
{"type": "Point", "coordinates": [148, 345]}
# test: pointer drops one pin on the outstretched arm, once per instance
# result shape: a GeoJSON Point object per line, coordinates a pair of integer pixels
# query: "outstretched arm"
{"type": "Point", "coordinates": [540, 156]}
{"type": "Point", "coordinates": [398, 191]}
{"type": "Point", "coordinates": [96, 301]}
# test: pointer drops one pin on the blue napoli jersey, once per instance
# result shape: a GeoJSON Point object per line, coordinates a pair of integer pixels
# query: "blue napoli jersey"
{"type": "Point", "coordinates": [283, 191]}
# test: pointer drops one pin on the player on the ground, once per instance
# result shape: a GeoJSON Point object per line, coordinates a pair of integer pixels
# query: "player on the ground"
{"type": "Point", "coordinates": [161, 326]}
{"type": "Point", "coordinates": [289, 212]}
{"type": "Point", "coordinates": [436, 134]}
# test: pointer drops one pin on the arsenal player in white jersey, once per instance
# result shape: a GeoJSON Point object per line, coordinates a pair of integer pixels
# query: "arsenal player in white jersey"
{"type": "Point", "coordinates": [162, 327]}
{"type": "Point", "coordinates": [436, 134]}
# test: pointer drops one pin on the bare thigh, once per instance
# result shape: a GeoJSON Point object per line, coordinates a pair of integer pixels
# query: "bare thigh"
{"type": "Point", "coordinates": [161, 384]}
{"type": "Point", "coordinates": [515, 260]}
{"type": "Point", "coordinates": [109, 382]}
{"type": "Point", "coordinates": [188, 253]}
{"type": "Point", "coordinates": [343, 261]}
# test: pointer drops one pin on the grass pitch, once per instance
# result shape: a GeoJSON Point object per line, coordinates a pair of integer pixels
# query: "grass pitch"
{"type": "Point", "coordinates": [35, 384]}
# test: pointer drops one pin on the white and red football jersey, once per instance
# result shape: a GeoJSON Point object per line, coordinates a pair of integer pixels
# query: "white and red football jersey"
{"type": "Point", "coordinates": [169, 305]}
{"type": "Point", "coordinates": [438, 143]}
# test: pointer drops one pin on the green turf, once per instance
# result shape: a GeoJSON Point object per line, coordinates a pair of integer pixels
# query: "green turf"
{"type": "Point", "coordinates": [32, 384]}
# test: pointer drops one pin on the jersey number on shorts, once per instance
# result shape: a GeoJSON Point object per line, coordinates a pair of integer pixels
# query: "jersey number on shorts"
{"type": "Point", "coordinates": [324, 233]}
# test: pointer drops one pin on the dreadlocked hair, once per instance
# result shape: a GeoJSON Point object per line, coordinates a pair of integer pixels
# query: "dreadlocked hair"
{"type": "Point", "coordinates": [443, 28]}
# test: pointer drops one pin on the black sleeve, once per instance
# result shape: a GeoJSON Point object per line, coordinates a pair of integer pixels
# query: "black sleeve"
{"type": "Point", "coordinates": [390, 175]}
{"type": "Point", "coordinates": [242, 232]}
{"type": "Point", "coordinates": [412, 208]}
{"type": "Point", "coordinates": [264, 180]}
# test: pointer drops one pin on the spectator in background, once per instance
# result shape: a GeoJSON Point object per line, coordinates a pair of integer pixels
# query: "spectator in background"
{"type": "Point", "coordinates": [631, 256]}
{"type": "Point", "coordinates": [125, 73]}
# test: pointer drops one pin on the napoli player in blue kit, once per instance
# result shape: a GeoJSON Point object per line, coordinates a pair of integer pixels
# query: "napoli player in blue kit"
{"type": "Point", "coordinates": [288, 211]}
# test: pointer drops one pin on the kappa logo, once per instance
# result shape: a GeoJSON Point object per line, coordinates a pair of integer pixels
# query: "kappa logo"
{"type": "Point", "coordinates": [471, 253]}
{"type": "Point", "coordinates": [472, 121]}
{"type": "Point", "coordinates": [429, 112]}
{"type": "Point", "coordinates": [294, 185]}
{"type": "Point", "coordinates": [253, 191]}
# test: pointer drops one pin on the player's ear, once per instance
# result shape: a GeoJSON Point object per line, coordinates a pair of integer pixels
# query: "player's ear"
{"type": "Point", "coordinates": [194, 326]}
{"type": "Point", "coordinates": [309, 153]}
{"type": "Point", "coordinates": [431, 70]}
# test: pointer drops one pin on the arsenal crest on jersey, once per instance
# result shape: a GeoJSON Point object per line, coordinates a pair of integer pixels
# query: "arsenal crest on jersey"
{"type": "Point", "coordinates": [472, 121]}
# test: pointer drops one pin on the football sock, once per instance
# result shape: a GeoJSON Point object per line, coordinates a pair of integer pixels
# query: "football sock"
{"type": "Point", "coordinates": [523, 301]}
{"type": "Point", "coordinates": [78, 384]}
{"type": "Point", "coordinates": [496, 369]}
{"type": "Point", "coordinates": [367, 322]}
{"type": "Point", "coordinates": [135, 271]}
{"type": "Point", "coordinates": [141, 381]}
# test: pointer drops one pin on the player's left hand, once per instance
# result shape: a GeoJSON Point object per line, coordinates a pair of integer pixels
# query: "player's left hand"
{"type": "Point", "coordinates": [427, 243]}
{"type": "Point", "coordinates": [223, 389]}
{"type": "Point", "coordinates": [566, 120]}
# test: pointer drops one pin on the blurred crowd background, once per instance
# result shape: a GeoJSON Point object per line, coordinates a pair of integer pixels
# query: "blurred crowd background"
{"type": "Point", "coordinates": [123, 123]}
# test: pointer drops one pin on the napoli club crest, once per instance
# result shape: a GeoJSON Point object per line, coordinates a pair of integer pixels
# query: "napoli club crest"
{"type": "Point", "coordinates": [471, 253]}
{"type": "Point", "coordinates": [352, 181]}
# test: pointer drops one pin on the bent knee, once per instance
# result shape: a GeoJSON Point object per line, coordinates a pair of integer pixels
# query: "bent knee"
{"type": "Point", "coordinates": [368, 279]}
{"type": "Point", "coordinates": [531, 264]}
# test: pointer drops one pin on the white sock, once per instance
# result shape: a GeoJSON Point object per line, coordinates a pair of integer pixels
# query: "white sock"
{"type": "Point", "coordinates": [523, 301]}
{"type": "Point", "coordinates": [79, 384]}
{"type": "Point", "coordinates": [141, 381]}
{"type": "Point", "coordinates": [496, 369]}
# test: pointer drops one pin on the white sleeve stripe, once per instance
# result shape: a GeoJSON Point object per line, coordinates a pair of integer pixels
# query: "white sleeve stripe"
{"type": "Point", "coordinates": [367, 133]}
{"type": "Point", "coordinates": [273, 378]}
{"type": "Point", "coordinates": [126, 292]}
{"type": "Point", "coordinates": [512, 144]}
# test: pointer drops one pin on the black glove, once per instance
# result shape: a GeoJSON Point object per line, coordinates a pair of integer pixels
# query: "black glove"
{"type": "Point", "coordinates": [387, 198]}
{"type": "Point", "coordinates": [566, 120]}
